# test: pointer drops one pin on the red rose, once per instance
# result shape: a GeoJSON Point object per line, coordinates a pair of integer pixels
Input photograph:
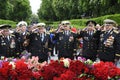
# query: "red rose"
{"type": "Point", "coordinates": [4, 71]}
{"type": "Point", "coordinates": [36, 75]}
{"type": "Point", "coordinates": [68, 75]}
{"type": "Point", "coordinates": [78, 67]}
{"type": "Point", "coordinates": [57, 78]}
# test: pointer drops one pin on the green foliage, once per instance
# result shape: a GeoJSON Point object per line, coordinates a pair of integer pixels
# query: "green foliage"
{"type": "Point", "coordinates": [34, 19]}
{"type": "Point", "coordinates": [12, 23]}
{"type": "Point", "coordinates": [80, 23]}
{"type": "Point", "coordinates": [53, 10]}
{"type": "Point", "coordinates": [46, 11]}
{"type": "Point", "coordinates": [15, 10]}
{"type": "Point", "coordinates": [21, 10]}
{"type": "Point", "coordinates": [5, 8]}
{"type": "Point", "coordinates": [62, 9]}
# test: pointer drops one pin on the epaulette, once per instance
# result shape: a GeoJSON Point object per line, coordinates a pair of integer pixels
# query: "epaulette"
{"type": "Point", "coordinates": [61, 31]}
{"type": "Point", "coordinates": [28, 33]}
{"type": "Point", "coordinates": [118, 55]}
{"type": "Point", "coordinates": [37, 33]}
{"type": "Point", "coordinates": [12, 35]}
{"type": "Point", "coordinates": [48, 33]}
{"type": "Point", "coordinates": [115, 31]}
{"type": "Point", "coordinates": [0, 34]}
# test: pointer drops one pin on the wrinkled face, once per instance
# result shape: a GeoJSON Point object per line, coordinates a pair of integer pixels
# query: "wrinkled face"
{"type": "Point", "coordinates": [66, 26]}
{"type": "Point", "coordinates": [41, 30]}
{"type": "Point", "coordinates": [23, 28]}
{"type": "Point", "coordinates": [5, 32]}
{"type": "Point", "coordinates": [108, 26]}
{"type": "Point", "coordinates": [90, 25]}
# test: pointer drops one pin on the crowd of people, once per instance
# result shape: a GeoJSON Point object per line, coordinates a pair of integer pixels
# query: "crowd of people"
{"type": "Point", "coordinates": [93, 42]}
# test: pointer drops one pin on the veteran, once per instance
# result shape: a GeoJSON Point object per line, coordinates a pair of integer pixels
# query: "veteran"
{"type": "Point", "coordinates": [66, 41]}
{"type": "Point", "coordinates": [90, 39]}
{"type": "Point", "coordinates": [109, 44]}
{"type": "Point", "coordinates": [39, 44]}
{"type": "Point", "coordinates": [21, 34]}
{"type": "Point", "coordinates": [7, 42]}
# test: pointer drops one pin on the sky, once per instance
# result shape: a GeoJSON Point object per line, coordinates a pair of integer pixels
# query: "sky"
{"type": "Point", "coordinates": [35, 5]}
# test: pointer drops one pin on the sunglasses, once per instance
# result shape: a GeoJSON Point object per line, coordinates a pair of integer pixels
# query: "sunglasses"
{"type": "Point", "coordinates": [65, 24]}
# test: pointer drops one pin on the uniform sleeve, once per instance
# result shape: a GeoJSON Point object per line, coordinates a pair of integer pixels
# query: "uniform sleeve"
{"type": "Point", "coordinates": [75, 43]}
{"type": "Point", "coordinates": [80, 35]}
{"type": "Point", "coordinates": [56, 36]}
{"type": "Point", "coordinates": [49, 44]}
{"type": "Point", "coordinates": [117, 45]}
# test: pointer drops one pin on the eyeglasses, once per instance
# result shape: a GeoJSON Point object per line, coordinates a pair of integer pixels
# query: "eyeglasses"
{"type": "Point", "coordinates": [65, 24]}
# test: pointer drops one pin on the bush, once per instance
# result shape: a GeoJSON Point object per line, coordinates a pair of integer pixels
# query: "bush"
{"type": "Point", "coordinates": [12, 23]}
{"type": "Point", "coordinates": [80, 23]}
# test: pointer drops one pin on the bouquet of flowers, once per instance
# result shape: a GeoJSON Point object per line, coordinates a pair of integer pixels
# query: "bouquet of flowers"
{"type": "Point", "coordinates": [63, 69]}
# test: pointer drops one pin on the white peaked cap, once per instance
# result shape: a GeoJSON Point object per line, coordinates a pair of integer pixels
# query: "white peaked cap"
{"type": "Point", "coordinates": [109, 21]}
{"type": "Point", "coordinates": [41, 24]}
{"type": "Point", "coordinates": [65, 22]}
{"type": "Point", "coordinates": [21, 23]}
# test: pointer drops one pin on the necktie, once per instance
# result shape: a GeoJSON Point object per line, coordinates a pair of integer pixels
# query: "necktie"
{"type": "Point", "coordinates": [66, 32]}
{"type": "Point", "coordinates": [8, 38]}
{"type": "Point", "coordinates": [42, 37]}
{"type": "Point", "coordinates": [89, 32]}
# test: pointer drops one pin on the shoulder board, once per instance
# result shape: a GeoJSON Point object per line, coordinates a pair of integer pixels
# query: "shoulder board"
{"type": "Point", "coordinates": [12, 35]}
{"type": "Point", "coordinates": [1, 35]}
{"type": "Point", "coordinates": [115, 31]}
{"type": "Point", "coordinates": [37, 33]}
{"type": "Point", "coordinates": [61, 31]}
{"type": "Point", "coordinates": [47, 33]}
{"type": "Point", "coordinates": [27, 33]}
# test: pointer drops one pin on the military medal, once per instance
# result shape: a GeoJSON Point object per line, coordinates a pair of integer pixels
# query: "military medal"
{"type": "Point", "coordinates": [36, 38]}
{"type": "Point", "coordinates": [12, 45]}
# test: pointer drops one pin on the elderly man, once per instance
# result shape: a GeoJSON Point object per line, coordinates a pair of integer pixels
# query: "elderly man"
{"type": "Point", "coordinates": [90, 37]}
{"type": "Point", "coordinates": [21, 34]}
{"type": "Point", "coordinates": [7, 42]}
{"type": "Point", "coordinates": [39, 43]}
{"type": "Point", "coordinates": [109, 45]}
{"type": "Point", "coordinates": [66, 41]}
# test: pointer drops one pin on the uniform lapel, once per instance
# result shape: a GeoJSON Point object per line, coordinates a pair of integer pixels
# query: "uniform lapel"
{"type": "Point", "coordinates": [106, 35]}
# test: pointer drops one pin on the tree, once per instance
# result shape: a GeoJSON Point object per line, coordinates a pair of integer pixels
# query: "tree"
{"type": "Point", "coordinates": [34, 19]}
{"type": "Point", "coordinates": [5, 9]}
{"type": "Point", "coordinates": [46, 11]}
{"type": "Point", "coordinates": [75, 9]}
{"type": "Point", "coordinates": [21, 10]}
{"type": "Point", "coordinates": [62, 9]}
{"type": "Point", "coordinates": [72, 9]}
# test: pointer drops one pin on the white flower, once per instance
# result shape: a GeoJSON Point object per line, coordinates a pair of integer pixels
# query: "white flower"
{"type": "Point", "coordinates": [66, 62]}
{"type": "Point", "coordinates": [13, 65]}
{"type": "Point", "coordinates": [109, 77]}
